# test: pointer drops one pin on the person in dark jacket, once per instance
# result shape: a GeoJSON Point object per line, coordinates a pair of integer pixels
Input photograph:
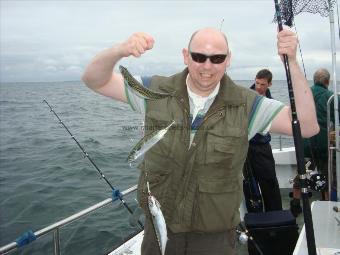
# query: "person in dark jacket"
{"type": "Point", "coordinates": [316, 147]}
{"type": "Point", "coordinates": [260, 157]}
{"type": "Point", "coordinates": [319, 142]}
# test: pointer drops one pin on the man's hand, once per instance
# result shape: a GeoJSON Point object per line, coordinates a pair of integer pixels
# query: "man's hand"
{"type": "Point", "coordinates": [137, 44]}
{"type": "Point", "coordinates": [287, 44]}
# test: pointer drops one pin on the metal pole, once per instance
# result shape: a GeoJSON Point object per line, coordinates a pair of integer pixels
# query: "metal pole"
{"type": "Point", "coordinates": [336, 109]}
{"type": "Point", "coordinates": [331, 148]}
{"type": "Point", "coordinates": [56, 241]}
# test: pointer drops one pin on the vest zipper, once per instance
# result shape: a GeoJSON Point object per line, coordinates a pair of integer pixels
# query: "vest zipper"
{"type": "Point", "coordinates": [182, 203]}
{"type": "Point", "coordinates": [186, 118]}
{"type": "Point", "coordinates": [211, 114]}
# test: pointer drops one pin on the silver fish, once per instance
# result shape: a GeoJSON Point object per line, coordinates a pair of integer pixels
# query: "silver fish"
{"type": "Point", "coordinates": [158, 223]}
{"type": "Point", "coordinates": [146, 143]}
{"type": "Point", "coordinates": [141, 90]}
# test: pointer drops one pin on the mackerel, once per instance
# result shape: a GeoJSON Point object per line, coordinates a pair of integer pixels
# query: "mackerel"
{"type": "Point", "coordinates": [147, 142]}
{"type": "Point", "coordinates": [139, 88]}
{"type": "Point", "coordinates": [158, 222]}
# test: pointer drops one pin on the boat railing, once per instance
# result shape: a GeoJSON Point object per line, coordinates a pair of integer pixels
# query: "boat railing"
{"type": "Point", "coordinates": [332, 146]}
{"type": "Point", "coordinates": [55, 227]}
{"type": "Point", "coordinates": [281, 141]}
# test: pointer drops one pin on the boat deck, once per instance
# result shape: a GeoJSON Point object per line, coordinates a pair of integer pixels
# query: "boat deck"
{"type": "Point", "coordinates": [242, 249]}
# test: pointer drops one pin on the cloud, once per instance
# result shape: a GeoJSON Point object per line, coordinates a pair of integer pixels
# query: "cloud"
{"type": "Point", "coordinates": [56, 39]}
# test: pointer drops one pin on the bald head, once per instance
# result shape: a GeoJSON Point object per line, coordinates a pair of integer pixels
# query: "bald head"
{"type": "Point", "coordinates": [322, 76]}
{"type": "Point", "coordinates": [208, 36]}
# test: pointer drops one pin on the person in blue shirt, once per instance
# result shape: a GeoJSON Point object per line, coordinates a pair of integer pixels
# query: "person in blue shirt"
{"type": "Point", "coordinates": [260, 158]}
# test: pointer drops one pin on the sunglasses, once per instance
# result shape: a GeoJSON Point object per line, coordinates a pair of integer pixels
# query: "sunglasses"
{"type": "Point", "coordinates": [201, 58]}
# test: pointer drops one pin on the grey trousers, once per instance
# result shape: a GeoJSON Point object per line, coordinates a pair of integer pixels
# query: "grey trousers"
{"type": "Point", "coordinates": [189, 243]}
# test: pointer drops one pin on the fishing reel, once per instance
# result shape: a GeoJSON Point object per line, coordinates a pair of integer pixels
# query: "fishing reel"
{"type": "Point", "coordinates": [314, 180]}
{"type": "Point", "coordinates": [243, 234]}
{"type": "Point", "coordinates": [244, 237]}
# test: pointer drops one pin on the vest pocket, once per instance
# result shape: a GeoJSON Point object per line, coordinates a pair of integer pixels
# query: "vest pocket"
{"type": "Point", "coordinates": [216, 205]}
{"type": "Point", "coordinates": [222, 145]}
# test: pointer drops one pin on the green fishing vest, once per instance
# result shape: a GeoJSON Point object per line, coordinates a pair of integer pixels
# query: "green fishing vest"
{"type": "Point", "coordinates": [199, 188]}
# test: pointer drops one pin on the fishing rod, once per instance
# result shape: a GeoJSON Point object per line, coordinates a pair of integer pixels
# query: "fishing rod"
{"type": "Point", "coordinates": [115, 192]}
{"type": "Point", "coordinates": [222, 21]}
{"type": "Point", "coordinates": [298, 150]}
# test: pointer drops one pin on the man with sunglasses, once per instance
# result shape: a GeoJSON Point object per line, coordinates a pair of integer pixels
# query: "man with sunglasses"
{"type": "Point", "coordinates": [195, 171]}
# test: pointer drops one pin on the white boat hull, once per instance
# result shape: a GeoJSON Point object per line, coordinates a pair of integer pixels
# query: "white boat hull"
{"type": "Point", "coordinates": [131, 247]}
{"type": "Point", "coordinates": [326, 224]}
{"type": "Point", "coordinates": [285, 166]}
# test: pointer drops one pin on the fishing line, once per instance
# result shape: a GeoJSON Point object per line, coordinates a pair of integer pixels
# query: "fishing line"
{"type": "Point", "coordinates": [300, 50]}
{"type": "Point", "coordinates": [298, 149]}
{"type": "Point", "coordinates": [115, 192]}
{"type": "Point", "coordinates": [337, 10]}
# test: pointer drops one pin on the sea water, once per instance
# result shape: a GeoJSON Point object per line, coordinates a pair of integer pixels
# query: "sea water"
{"type": "Point", "coordinates": [44, 176]}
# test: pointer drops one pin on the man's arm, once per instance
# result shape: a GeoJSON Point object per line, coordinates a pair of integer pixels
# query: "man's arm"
{"type": "Point", "coordinates": [304, 102]}
{"type": "Point", "coordinates": [99, 75]}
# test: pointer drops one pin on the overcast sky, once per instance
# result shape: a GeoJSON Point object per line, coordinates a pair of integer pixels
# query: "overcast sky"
{"type": "Point", "coordinates": [54, 40]}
